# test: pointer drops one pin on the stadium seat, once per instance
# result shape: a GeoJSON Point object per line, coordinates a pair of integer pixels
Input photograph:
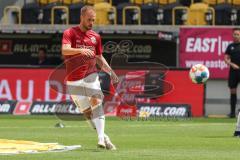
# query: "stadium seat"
{"type": "Point", "coordinates": [179, 15]}
{"type": "Point", "coordinates": [236, 5]}
{"type": "Point", "coordinates": [46, 2]}
{"type": "Point", "coordinates": [75, 12]}
{"type": "Point", "coordinates": [47, 13]}
{"type": "Point", "coordinates": [129, 14]}
{"type": "Point", "coordinates": [92, 2]}
{"type": "Point", "coordinates": [31, 13]}
{"type": "Point", "coordinates": [189, 2]}
{"type": "Point", "coordinates": [236, 2]}
{"type": "Point", "coordinates": [157, 11]}
{"type": "Point", "coordinates": [165, 2]}
{"type": "Point", "coordinates": [134, 16]}
{"type": "Point", "coordinates": [12, 15]}
{"type": "Point", "coordinates": [106, 13]}
{"type": "Point", "coordinates": [70, 2]}
{"type": "Point", "coordinates": [117, 2]}
{"type": "Point", "coordinates": [140, 2]}
{"type": "Point", "coordinates": [60, 12]}
{"type": "Point", "coordinates": [167, 10]}
{"type": "Point", "coordinates": [216, 2]}
{"type": "Point", "coordinates": [225, 12]}
{"type": "Point", "coordinates": [200, 14]}
{"type": "Point", "coordinates": [151, 13]}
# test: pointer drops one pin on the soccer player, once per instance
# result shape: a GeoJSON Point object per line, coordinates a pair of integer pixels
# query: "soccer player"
{"type": "Point", "coordinates": [232, 58]}
{"type": "Point", "coordinates": [82, 50]}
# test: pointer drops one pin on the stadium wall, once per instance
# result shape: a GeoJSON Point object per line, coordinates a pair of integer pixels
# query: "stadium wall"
{"type": "Point", "coordinates": [165, 35]}
{"type": "Point", "coordinates": [174, 90]}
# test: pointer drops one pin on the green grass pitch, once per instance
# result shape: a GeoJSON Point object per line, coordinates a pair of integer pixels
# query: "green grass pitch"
{"type": "Point", "coordinates": [194, 139]}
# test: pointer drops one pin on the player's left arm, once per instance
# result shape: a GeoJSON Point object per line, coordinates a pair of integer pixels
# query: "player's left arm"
{"type": "Point", "coordinates": [102, 63]}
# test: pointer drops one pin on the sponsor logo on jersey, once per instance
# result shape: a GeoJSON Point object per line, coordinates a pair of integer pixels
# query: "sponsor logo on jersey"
{"type": "Point", "coordinates": [93, 40]}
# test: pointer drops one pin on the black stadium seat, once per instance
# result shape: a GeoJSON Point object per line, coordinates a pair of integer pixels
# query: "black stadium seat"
{"type": "Point", "coordinates": [75, 12]}
{"type": "Point", "coordinates": [223, 14]}
{"type": "Point", "coordinates": [47, 13]}
{"type": "Point", "coordinates": [151, 13]}
{"type": "Point", "coordinates": [168, 12]}
{"type": "Point", "coordinates": [117, 2]}
{"type": "Point", "coordinates": [30, 13]}
{"type": "Point", "coordinates": [129, 14]}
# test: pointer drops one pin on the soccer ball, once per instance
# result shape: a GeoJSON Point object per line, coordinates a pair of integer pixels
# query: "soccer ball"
{"type": "Point", "coordinates": [199, 73]}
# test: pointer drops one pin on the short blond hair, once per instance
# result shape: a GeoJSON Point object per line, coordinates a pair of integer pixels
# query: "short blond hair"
{"type": "Point", "coordinates": [86, 8]}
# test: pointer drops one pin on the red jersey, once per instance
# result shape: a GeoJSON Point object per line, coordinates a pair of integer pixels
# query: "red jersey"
{"type": "Point", "coordinates": [79, 66]}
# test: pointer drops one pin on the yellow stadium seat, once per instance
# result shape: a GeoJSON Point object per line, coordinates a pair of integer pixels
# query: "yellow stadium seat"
{"type": "Point", "coordinates": [102, 11]}
{"type": "Point", "coordinates": [77, 1]}
{"type": "Point", "coordinates": [68, 2]}
{"type": "Point", "coordinates": [236, 2]}
{"type": "Point", "coordinates": [164, 2]}
{"type": "Point", "coordinates": [53, 1]}
{"type": "Point", "coordinates": [95, 1]}
{"type": "Point", "coordinates": [139, 2]}
{"type": "Point", "coordinates": [44, 2]}
{"type": "Point", "coordinates": [197, 13]}
{"type": "Point", "coordinates": [215, 2]}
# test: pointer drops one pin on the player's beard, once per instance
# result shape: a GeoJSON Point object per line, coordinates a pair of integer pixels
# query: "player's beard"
{"type": "Point", "coordinates": [236, 40]}
{"type": "Point", "coordinates": [89, 27]}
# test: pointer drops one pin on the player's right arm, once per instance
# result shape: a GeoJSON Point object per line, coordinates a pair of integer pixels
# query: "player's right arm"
{"type": "Point", "coordinates": [67, 50]}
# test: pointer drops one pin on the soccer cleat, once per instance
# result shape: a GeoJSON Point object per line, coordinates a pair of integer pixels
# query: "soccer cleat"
{"type": "Point", "coordinates": [101, 143]}
{"type": "Point", "coordinates": [108, 143]}
{"type": "Point", "coordinates": [236, 134]}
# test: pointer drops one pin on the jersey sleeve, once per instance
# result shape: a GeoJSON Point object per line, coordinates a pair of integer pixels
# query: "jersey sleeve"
{"type": "Point", "coordinates": [67, 37]}
{"type": "Point", "coordinates": [228, 50]}
{"type": "Point", "coordinates": [99, 48]}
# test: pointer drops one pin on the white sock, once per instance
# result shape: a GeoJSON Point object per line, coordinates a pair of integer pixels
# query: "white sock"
{"type": "Point", "coordinates": [100, 125]}
{"type": "Point", "coordinates": [238, 122]}
{"type": "Point", "coordinates": [91, 122]}
{"type": "Point", "coordinates": [98, 119]}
